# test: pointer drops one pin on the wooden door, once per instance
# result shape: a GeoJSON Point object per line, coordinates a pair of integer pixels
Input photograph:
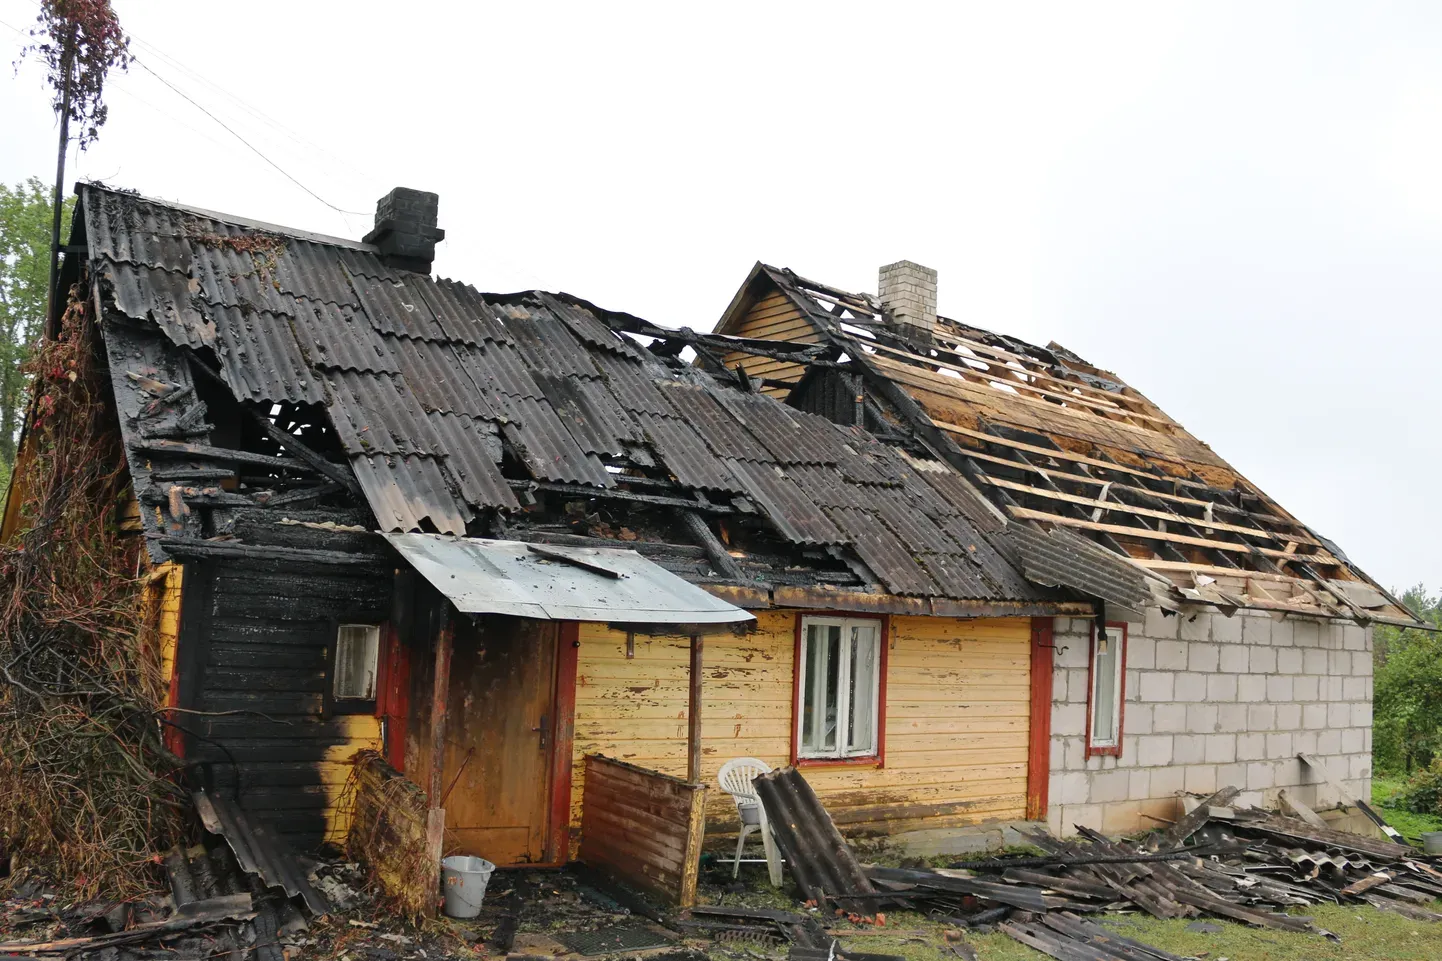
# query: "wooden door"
{"type": "Point", "coordinates": [500, 739]}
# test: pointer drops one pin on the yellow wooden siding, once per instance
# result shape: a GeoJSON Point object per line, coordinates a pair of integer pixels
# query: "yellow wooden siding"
{"type": "Point", "coordinates": [958, 698]}
{"type": "Point", "coordinates": [168, 630]}
{"type": "Point", "coordinates": [773, 318]}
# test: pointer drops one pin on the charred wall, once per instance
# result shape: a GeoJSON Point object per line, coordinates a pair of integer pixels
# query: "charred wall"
{"type": "Point", "coordinates": [255, 664]}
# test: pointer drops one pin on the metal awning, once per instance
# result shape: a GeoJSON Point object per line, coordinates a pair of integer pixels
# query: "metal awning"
{"type": "Point", "coordinates": [550, 582]}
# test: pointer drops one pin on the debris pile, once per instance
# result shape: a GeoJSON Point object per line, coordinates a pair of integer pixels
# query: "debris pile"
{"type": "Point", "coordinates": [1217, 861]}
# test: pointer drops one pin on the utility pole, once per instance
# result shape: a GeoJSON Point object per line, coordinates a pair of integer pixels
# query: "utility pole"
{"type": "Point", "coordinates": [52, 316]}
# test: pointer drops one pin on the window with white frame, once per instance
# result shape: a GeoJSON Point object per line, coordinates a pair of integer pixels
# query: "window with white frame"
{"type": "Point", "coordinates": [357, 655]}
{"type": "Point", "coordinates": [1104, 708]}
{"type": "Point", "coordinates": [839, 688]}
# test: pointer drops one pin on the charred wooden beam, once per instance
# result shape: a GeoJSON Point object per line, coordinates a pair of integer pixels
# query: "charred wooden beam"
{"type": "Point", "coordinates": [337, 473]}
{"type": "Point", "coordinates": [182, 449]}
{"type": "Point", "coordinates": [190, 547]}
{"type": "Point", "coordinates": [715, 550]}
{"type": "Point", "coordinates": [611, 493]}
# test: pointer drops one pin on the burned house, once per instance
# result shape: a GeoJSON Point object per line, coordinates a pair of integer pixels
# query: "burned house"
{"type": "Point", "coordinates": [494, 538]}
{"type": "Point", "coordinates": [1230, 638]}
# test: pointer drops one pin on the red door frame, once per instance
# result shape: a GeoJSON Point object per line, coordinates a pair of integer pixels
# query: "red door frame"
{"type": "Point", "coordinates": [1038, 763]}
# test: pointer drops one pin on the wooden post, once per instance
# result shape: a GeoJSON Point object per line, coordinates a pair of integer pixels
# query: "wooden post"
{"type": "Point", "coordinates": [440, 690]}
{"type": "Point", "coordinates": [693, 715]}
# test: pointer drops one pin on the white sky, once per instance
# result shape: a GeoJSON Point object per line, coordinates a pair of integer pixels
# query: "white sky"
{"type": "Point", "coordinates": [1237, 207]}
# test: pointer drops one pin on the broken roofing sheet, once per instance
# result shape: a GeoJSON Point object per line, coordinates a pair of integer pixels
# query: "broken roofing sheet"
{"type": "Point", "coordinates": [1060, 445]}
{"type": "Point", "coordinates": [458, 412]}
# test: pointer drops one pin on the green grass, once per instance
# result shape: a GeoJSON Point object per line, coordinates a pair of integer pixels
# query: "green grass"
{"type": "Point", "coordinates": [1411, 825]}
{"type": "Point", "coordinates": [1367, 935]}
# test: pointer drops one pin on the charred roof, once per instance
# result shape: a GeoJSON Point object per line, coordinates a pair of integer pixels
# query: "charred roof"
{"type": "Point", "coordinates": [1056, 444]}
{"type": "Point", "coordinates": [258, 369]}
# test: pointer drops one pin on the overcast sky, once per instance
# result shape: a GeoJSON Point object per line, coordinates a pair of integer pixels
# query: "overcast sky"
{"type": "Point", "coordinates": [1236, 207]}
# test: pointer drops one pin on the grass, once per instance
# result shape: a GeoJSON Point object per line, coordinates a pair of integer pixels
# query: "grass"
{"type": "Point", "coordinates": [1411, 825]}
{"type": "Point", "coordinates": [1367, 935]}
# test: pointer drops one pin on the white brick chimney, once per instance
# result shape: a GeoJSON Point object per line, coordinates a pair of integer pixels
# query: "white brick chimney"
{"type": "Point", "coordinates": [908, 299]}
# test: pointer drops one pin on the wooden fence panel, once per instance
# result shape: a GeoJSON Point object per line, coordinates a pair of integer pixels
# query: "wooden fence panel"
{"type": "Point", "coordinates": [643, 827]}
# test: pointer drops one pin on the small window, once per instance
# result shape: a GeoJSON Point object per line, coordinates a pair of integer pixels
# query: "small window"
{"type": "Point", "coordinates": [838, 690]}
{"type": "Point", "coordinates": [1105, 699]}
{"type": "Point", "coordinates": [357, 653]}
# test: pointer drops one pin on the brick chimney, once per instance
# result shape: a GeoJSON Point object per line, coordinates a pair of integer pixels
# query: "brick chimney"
{"type": "Point", "coordinates": [405, 232]}
{"type": "Point", "coordinates": [908, 300]}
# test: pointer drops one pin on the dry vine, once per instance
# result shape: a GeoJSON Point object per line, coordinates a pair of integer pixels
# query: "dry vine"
{"type": "Point", "coordinates": [86, 788]}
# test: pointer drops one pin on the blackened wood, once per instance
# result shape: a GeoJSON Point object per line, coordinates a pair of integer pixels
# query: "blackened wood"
{"type": "Point", "coordinates": [180, 448]}
{"type": "Point", "coordinates": [700, 531]}
{"type": "Point", "coordinates": [187, 547]}
{"type": "Point", "coordinates": [341, 475]}
{"type": "Point", "coordinates": [1188, 824]}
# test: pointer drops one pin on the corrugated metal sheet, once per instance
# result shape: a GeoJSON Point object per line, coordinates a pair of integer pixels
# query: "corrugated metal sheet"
{"type": "Point", "coordinates": [682, 452]}
{"type": "Point", "coordinates": [376, 413]}
{"type": "Point", "coordinates": [473, 455]}
{"type": "Point", "coordinates": [260, 359]}
{"type": "Point", "coordinates": [794, 514]}
{"type": "Point", "coordinates": [406, 492]}
{"type": "Point", "coordinates": [957, 575]}
{"type": "Point", "coordinates": [916, 530]}
{"type": "Point", "coordinates": [559, 583]}
{"type": "Point", "coordinates": [547, 448]}
{"type": "Point", "coordinates": [340, 337]}
{"type": "Point", "coordinates": [119, 228]}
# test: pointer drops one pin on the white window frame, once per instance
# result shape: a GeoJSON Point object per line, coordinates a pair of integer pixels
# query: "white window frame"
{"type": "Point", "coordinates": [843, 693]}
{"type": "Point", "coordinates": [374, 631]}
{"type": "Point", "coordinates": [1115, 634]}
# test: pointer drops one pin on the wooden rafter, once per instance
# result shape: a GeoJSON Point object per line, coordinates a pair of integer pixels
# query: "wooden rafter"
{"type": "Point", "coordinates": [1147, 512]}
{"type": "Point", "coordinates": [1024, 513]}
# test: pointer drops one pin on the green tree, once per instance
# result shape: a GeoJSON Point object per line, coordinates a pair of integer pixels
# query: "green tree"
{"type": "Point", "coordinates": [25, 219]}
{"type": "Point", "coordinates": [1407, 689]}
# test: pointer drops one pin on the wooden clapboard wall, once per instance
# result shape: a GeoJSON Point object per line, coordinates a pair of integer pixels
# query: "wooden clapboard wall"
{"type": "Point", "coordinates": [773, 317]}
{"type": "Point", "coordinates": [643, 827]}
{"type": "Point", "coordinates": [958, 698]}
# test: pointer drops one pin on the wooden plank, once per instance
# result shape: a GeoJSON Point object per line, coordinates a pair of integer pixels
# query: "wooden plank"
{"type": "Point", "coordinates": [1148, 512]}
{"type": "Point", "coordinates": [1030, 364]}
{"type": "Point", "coordinates": [1038, 765]}
{"type": "Point", "coordinates": [1023, 513]}
{"type": "Point", "coordinates": [986, 378]}
{"type": "Point", "coordinates": [1046, 451]}
{"type": "Point", "coordinates": [693, 712]}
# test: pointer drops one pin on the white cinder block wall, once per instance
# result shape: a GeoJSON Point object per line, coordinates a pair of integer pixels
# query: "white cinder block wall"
{"type": "Point", "coordinates": [1212, 701]}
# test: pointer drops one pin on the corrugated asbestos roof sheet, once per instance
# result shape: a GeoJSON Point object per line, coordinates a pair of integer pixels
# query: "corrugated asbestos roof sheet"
{"type": "Point", "coordinates": [1060, 558]}
{"type": "Point", "coordinates": [428, 383]}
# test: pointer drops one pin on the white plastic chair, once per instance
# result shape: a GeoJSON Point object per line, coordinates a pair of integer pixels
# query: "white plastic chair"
{"type": "Point", "coordinates": [735, 779]}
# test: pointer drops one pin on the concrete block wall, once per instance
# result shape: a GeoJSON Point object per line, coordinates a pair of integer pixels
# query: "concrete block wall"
{"type": "Point", "coordinates": [1212, 701]}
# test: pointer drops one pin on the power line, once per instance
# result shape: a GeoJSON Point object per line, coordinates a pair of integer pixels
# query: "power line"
{"type": "Point", "coordinates": [256, 150]}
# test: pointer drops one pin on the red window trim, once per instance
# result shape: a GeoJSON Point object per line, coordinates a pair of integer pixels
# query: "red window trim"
{"type": "Point", "coordinates": [1115, 750]}
{"type": "Point", "coordinates": [877, 760]}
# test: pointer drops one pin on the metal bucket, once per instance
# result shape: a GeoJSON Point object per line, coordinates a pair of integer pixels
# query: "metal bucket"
{"type": "Point", "coordinates": [464, 879]}
{"type": "Point", "coordinates": [1432, 842]}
